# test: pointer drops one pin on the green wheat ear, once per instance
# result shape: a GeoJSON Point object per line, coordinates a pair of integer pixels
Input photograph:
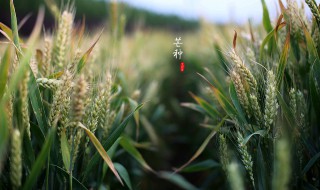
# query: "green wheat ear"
{"type": "Point", "coordinates": [9, 110]}
{"type": "Point", "coordinates": [25, 103]}
{"type": "Point", "coordinates": [60, 98]}
{"type": "Point", "coordinates": [256, 109]}
{"type": "Point", "coordinates": [246, 157]}
{"type": "Point", "coordinates": [62, 40]}
{"type": "Point", "coordinates": [16, 161]}
{"type": "Point", "coordinates": [271, 105]}
{"type": "Point", "coordinates": [79, 96]}
{"type": "Point", "coordinates": [297, 19]}
{"type": "Point", "coordinates": [242, 96]}
{"type": "Point", "coordinates": [47, 55]}
{"type": "Point", "coordinates": [51, 84]}
{"type": "Point", "coordinates": [244, 72]}
{"type": "Point", "coordinates": [224, 155]}
{"type": "Point", "coordinates": [77, 110]}
{"type": "Point", "coordinates": [314, 9]}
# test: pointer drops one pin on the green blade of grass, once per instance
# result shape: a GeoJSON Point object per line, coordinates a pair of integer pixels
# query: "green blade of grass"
{"type": "Point", "coordinates": [53, 8]}
{"type": "Point", "coordinates": [266, 18]}
{"type": "Point", "coordinates": [286, 110]}
{"type": "Point", "coordinates": [38, 136]}
{"type": "Point", "coordinates": [28, 153]}
{"type": "Point", "coordinates": [17, 76]}
{"type": "Point", "coordinates": [7, 31]}
{"type": "Point", "coordinates": [177, 180]}
{"type": "Point", "coordinates": [40, 161]}
{"type": "Point", "coordinates": [283, 61]}
{"type": "Point", "coordinates": [85, 57]}
{"type": "Point", "coordinates": [264, 42]}
{"type": "Point", "coordinates": [311, 162]}
{"type": "Point", "coordinates": [111, 152]}
{"type": "Point", "coordinates": [114, 135]}
{"type": "Point", "coordinates": [37, 104]}
{"type": "Point", "coordinates": [4, 135]}
{"type": "Point", "coordinates": [14, 26]}
{"type": "Point", "coordinates": [268, 27]}
{"type": "Point", "coordinates": [221, 98]}
{"type": "Point", "coordinates": [101, 151]}
{"type": "Point", "coordinates": [262, 133]}
{"type": "Point", "coordinates": [193, 106]}
{"type": "Point", "coordinates": [203, 146]}
{"type": "Point", "coordinates": [124, 174]}
{"type": "Point", "coordinates": [133, 105]}
{"type": "Point", "coordinates": [117, 131]}
{"type": "Point", "coordinates": [210, 110]}
{"type": "Point", "coordinates": [127, 144]}
{"type": "Point", "coordinates": [201, 166]}
{"type": "Point", "coordinates": [267, 39]}
{"type": "Point", "coordinates": [76, 183]}
{"type": "Point", "coordinates": [118, 118]}
{"type": "Point", "coordinates": [4, 71]}
{"type": "Point", "coordinates": [223, 61]}
{"type": "Point", "coordinates": [65, 150]}
{"type": "Point", "coordinates": [150, 130]}
{"type": "Point", "coordinates": [261, 170]}
{"type": "Point", "coordinates": [314, 92]}
{"type": "Point", "coordinates": [314, 60]}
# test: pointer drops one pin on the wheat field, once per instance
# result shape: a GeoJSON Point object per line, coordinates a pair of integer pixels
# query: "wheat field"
{"type": "Point", "coordinates": [110, 109]}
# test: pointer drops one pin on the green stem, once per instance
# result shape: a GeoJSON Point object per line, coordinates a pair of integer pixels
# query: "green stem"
{"type": "Point", "coordinates": [47, 172]}
{"type": "Point", "coordinates": [73, 133]}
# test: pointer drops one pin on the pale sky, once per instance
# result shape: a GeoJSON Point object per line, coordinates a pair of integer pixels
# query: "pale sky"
{"type": "Point", "coordinates": [212, 10]}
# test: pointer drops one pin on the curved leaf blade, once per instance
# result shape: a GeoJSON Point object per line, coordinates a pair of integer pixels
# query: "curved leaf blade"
{"type": "Point", "coordinates": [177, 180]}
{"type": "Point", "coordinates": [40, 161]}
{"type": "Point", "coordinates": [126, 143]}
{"type": "Point", "coordinates": [114, 135]}
{"type": "Point", "coordinates": [4, 71]}
{"type": "Point", "coordinates": [201, 166]}
{"type": "Point", "coordinates": [311, 162]}
{"type": "Point", "coordinates": [124, 174]}
{"type": "Point", "coordinates": [101, 151]}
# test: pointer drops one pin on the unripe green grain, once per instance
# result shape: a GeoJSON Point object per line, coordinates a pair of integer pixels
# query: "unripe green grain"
{"type": "Point", "coordinates": [15, 160]}
{"type": "Point", "coordinates": [223, 150]}
{"type": "Point", "coordinates": [47, 55]}
{"type": "Point", "coordinates": [240, 92]}
{"type": "Point", "coordinates": [51, 84]}
{"type": "Point", "coordinates": [243, 70]}
{"type": "Point", "coordinates": [271, 105]}
{"type": "Point", "coordinates": [246, 157]}
{"type": "Point", "coordinates": [60, 97]}
{"type": "Point", "coordinates": [25, 103]}
{"type": "Point", "coordinates": [314, 9]}
{"type": "Point", "coordinates": [256, 108]}
{"type": "Point", "coordinates": [62, 40]}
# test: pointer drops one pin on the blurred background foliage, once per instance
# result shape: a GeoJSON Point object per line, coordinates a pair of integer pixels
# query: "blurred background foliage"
{"type": "Point", "coordinates": [97, 13]}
